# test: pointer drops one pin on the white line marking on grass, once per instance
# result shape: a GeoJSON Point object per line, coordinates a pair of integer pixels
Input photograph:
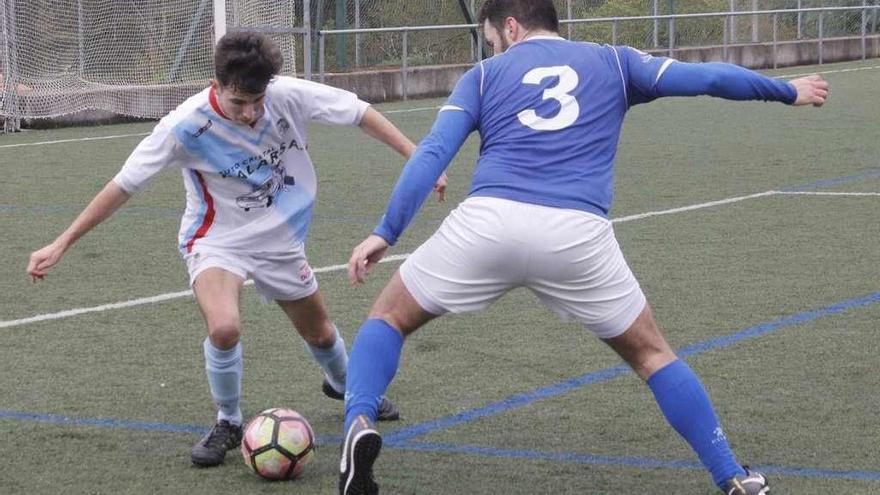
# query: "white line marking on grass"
{"type": "Point", "coordinates": [98, 138]}
{"type": "Point", "coordinates": [154, 299]}
{"type": "Point", "coordinates": [420, 109]}
{"type": "Point", "coordinates": [692, 207]}
{"type": "Point", "coordinates": [333, 268]}
{"type": "Point", "coordinates": [835, 71]}
{"type": "Point", "coordinates": [96, 309]}
{"type": "Point", "coordinates": [826, 193]}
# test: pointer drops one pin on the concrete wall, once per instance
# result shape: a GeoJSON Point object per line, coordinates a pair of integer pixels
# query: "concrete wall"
{"type": "Point", "coordinates": [430, 81]}
{"type": "Point", "coordinates": [789, 53]}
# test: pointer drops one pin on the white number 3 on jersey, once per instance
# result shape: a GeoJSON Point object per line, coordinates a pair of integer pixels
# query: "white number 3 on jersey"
{"type": "Point", "coordinates": [569, 108]}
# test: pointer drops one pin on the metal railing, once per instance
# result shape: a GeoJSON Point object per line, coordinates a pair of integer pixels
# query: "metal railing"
{"type": "Point", "coordinates": [404, 43]}
{"type": "Point", "coordinates": [727, 41]}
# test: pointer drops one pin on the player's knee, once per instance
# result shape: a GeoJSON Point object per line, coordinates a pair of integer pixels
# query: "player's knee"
{"type": "Point", "coordinates": [224, 334]}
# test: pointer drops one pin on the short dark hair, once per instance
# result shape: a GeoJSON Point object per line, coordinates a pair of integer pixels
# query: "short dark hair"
{"type": "Point", "coordinates": [246, 61]}
{"type": "Point", "coordinates": [533, 14]}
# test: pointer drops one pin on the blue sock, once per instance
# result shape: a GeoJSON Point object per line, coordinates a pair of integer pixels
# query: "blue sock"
{"type": "Point", "coordinates": [688, 409]}
{"type": "Point", "coordinates": [371, 367]}
{"type": "Point", "coordinates": [333, 361]}
{"type": "Point", "coordinates": [224, 368]}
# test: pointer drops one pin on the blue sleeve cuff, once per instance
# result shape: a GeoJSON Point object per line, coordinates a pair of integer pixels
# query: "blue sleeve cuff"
{"type": "Point", "coordinates": [385, 232]}
{"type": "Point", "coordinates": [421, 172]}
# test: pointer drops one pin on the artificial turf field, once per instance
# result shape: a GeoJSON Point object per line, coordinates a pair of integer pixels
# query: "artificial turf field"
{"type": "Point", "coordinates": [768, 284]}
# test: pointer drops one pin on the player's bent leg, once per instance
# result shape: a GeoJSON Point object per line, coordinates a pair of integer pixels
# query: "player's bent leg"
{"type": "Point", "coordinates": [311, 320]}
{"type": "Point", "coordinates": [374, 360]}
{"type": "Point", "coordinates": [396, 306]}
{"type": "Point", "coordinates": [376, 351]}
{"type": "Point", "coordinates": [217, 292]}
{"type": "Point", "coordinates": [680, 396]}
{"type": "Point", "coordinates": [310, 317]}
{"type": "Point", "coordinates": [642, 345]}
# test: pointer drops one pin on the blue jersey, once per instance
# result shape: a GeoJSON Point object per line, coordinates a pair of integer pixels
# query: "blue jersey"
{"type": "Point", "coordinates": [550, 132]}
{"type": "Point", "coordinates": [549, 113]}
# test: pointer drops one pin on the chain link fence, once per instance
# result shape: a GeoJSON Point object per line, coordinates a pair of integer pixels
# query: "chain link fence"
{"type": "Point", "coordinates": [347, 52]}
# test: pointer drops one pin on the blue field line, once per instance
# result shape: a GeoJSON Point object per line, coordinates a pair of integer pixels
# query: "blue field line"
{"type": "Point", "coordinates": [102, 422]}
{"type": "Point", "coordinates": [507, 404]}
{"type": "Point", "coordinates": [129, 425]}
{"type": "Point", "coordinates": [400, 438]}
{"type": "Point", "coordinates": [631, 461]}
{"type": "Point", "coordinates": [433, 447]}
{"type": "Point", "coordinates": [835, 181]}
{"type": "Point", "coordinates": [765, 328]}
{"type": "Point", "coordinates": [615, 371]}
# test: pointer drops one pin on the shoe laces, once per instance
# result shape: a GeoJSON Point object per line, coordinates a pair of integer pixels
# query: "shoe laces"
{"type": "Point", "coordinates": [219, 435]}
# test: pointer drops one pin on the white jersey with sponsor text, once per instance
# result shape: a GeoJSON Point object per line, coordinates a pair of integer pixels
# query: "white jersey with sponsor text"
{"type": "Point", "coordinates": [248, 188]}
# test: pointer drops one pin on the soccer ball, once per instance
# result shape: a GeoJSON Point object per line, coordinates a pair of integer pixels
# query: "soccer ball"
{"type": "Point", "coordinates": [278, 443]}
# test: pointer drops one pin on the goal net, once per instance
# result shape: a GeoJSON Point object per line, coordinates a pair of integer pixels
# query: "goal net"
{"type": "Point", "coordinates": [129, 57]}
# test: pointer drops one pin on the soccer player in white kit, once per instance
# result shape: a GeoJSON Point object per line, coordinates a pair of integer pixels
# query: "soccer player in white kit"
{"type": "Point", "coordinates": [242, 147]}
{"type": "Point", "coordinates": [549, 112]}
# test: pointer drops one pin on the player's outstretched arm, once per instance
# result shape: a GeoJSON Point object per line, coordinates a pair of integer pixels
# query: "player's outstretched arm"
{"type": "Point", "coordinates": [732, 82]}
{"type": "Point", "coordinates": [104, 204]}
{"type": "Point", "coordinates": [380, 128]}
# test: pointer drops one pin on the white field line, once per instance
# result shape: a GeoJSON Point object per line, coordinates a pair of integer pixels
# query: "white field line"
{"type": "Point", "coordinates": [827, 193]}
{"type": "Point", "coordinates": [692, 207]}
{"type": "Point", "coordinates": [153, 299]}
{"type": "Point", "coordinates": [333, 268]}
{"type": "Point", "coordinates": [835, 71]}
{"type": "Point", "coordinates": [409, 110]}
{"type": "Point", "coordinates": [399, 257]}
{"type": "Point", "coordinates": [98, 138]}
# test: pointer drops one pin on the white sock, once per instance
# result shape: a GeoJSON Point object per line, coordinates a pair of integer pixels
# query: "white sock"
{"type": "Point", "coordinates": [333, 360]}
{"type": "Point", "coordinates": [224, 369]}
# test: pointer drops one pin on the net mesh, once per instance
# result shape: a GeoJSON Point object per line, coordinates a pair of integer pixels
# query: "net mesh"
{"type": "Point", "coordinates": [276, 18]}
{"type": "Point", "coordinates": [130, 57]}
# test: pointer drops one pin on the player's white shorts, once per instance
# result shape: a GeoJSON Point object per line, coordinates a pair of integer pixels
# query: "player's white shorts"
{"type": "Point", "coordinates": [276, 276]}
{"type": "Point", "coordinates": [487, 246]}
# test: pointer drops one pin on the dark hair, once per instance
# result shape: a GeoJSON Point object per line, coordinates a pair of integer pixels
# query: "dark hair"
{"type": "Point", "coordinates": [246, 61]}
{"type": "Point", "coordinates": [532, 14]}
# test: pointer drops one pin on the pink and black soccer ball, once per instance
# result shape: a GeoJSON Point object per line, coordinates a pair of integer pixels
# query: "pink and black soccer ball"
{"type": "Point", "coordinates": [278, 443]}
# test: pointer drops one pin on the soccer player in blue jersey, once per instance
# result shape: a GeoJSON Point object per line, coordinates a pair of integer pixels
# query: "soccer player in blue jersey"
{"type": "Point", "coordinates": [242, 147]}
{"type": "Point", "coordinates": [549, 113]}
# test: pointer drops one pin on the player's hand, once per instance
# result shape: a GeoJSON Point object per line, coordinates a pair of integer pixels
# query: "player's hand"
{"type": "Point", "coordinates": [811, 90]}
{"type": "Point", "coordinates": [440, 188]}
{"type": "Point", "coordinates": [364, 256]}
{"type": "Point", "coordinates": [44, 259]}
